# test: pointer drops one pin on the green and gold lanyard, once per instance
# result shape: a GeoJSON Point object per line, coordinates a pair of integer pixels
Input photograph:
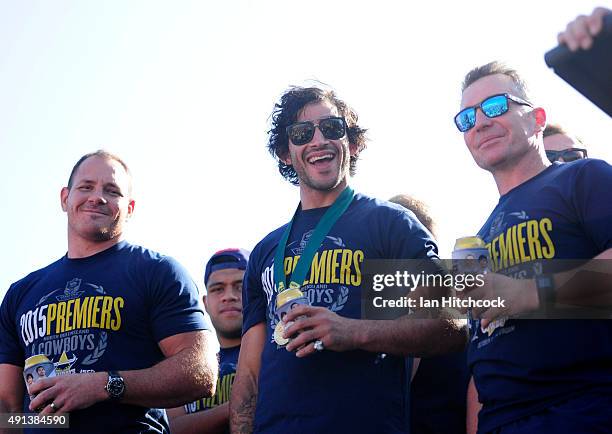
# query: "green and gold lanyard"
{"type": "Point", "coordinates": [330, 217]}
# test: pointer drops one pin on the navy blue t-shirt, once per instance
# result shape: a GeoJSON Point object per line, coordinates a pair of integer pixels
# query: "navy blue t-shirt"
{"type": "Point", "coordinates": [438, 395]}
{"type": "Point", "coordinates": [353, 391]}
{"type": "Point", "coordinates": [104, 312]}
{"type": "Point", "coordinates": [523, 366]}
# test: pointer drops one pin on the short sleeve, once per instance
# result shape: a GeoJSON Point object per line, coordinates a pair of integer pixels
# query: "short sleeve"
{"type": "Point", "coordinates": [253, 297]}
{"type": "Point", "coordinates": [409, 238]}
{"type": "Point", "coordinates": [593, 201]}
{"type": "Point", "coordinates": [10, 350]}
{"type": "Point", "coordinates": [174, 301]}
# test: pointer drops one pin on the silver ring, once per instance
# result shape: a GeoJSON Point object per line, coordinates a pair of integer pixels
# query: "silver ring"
{"type": "Point", "coordinates": [53, 407]}
{"type": "Point", "coordinates": [318, 345]}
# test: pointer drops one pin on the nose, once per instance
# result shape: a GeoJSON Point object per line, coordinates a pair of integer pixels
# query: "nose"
{"type": "Point", "coordinates": [482, 121]}
{"type": "Point", "coordinates": [318, 138]}
{"type": "Point", "coordinates": [229, 294]}
{"type": "Point", "coordinates": [97, 197]}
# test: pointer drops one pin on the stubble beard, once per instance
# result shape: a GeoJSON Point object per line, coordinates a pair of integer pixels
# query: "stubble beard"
{"type": "Point", "coordinates": [107, 232]}
{"type": "Point", "coordinates": [327, 185]}
{"type": "Point", "coordinates": [229, 332]}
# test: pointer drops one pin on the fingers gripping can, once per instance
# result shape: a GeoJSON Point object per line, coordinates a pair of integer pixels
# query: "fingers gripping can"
{"type": "Point", "coordinates": [37, 367]}
{"type": "Point", "coordinates": [285, 301]}
{"type": "Point", "coordinates": [470, 256]}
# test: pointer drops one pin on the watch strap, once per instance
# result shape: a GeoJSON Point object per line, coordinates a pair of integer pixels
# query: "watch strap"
{"type": "Point", "coordinates": [546, 290]}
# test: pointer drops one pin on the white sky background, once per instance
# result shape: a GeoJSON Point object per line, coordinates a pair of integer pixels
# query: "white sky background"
{"type": "Point", "coordinates": [182, 91]}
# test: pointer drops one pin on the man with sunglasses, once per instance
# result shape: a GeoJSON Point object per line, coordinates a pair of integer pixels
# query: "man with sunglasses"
{"type": "Point", "coordinates": [560, 146]}
{"type": "Point", "coordinates": [339, 373]}
{"type": "Point", "coordinates": [535, 375]}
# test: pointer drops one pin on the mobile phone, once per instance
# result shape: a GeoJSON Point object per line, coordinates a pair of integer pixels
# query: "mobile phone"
{"type": "Point", "coordinates": [588, 71]}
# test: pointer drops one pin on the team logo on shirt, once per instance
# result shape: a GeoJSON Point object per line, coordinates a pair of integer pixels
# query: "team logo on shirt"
{"type": "Point", "coordinates": [301, 245]}
{"type": "Point", "coordinates": [516, 240]}
{"type": "Point", "coordinates": [521, 215]}
{"type": "Point", "coordinates": [333, 272]}
{"type": "Point", "coordinates": [64, 364]}
{"type": "Point", "coordinates": [72, 323]}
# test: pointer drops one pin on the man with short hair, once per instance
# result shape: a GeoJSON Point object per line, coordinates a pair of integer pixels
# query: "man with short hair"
{"type": "Point", "coordinates": [121, 320]}
{"type": "Point", "coordinates": [561, 146]}
{"type": "Point", "coordinates": [535, 375]}
{"type": "Point", "coordinates": [223, 277]}
{"type": "Point", "coordinates": [338, 372]}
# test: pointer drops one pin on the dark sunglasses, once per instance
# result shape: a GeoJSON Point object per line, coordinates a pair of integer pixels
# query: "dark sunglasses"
{"type": "Point", "coordinates": [492, 107]}
{"type": "Point", "coordinates": [567, 155]}
{"type": "Point", "coordinates": [301, 133]}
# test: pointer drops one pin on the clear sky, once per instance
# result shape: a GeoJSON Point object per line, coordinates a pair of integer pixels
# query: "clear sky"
{"type": "Point", "coordinates": [182, 91]}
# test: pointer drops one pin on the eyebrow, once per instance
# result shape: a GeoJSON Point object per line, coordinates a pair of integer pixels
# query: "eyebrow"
{"type": "Point", "coordinates": [221, 283]}
{"type": "Point", "coordinates": [91, 181]}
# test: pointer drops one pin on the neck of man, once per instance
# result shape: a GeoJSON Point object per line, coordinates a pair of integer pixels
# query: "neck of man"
{"type": "Point", "coordinates": [516, 172]}
{"type": "Point", "coordinates": [312, 198]}
{"type": "Point", "coordinates": [225, 342]}
{"type": "Point", "coordinates": [83, 248]}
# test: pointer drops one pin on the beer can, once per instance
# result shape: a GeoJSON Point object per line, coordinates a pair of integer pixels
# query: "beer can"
{"type": "Point", "coordinates": [285, 301]}
{"type": "Point", "coordinates": [470, 256]}
{"type": "Point", "coordinates": [37, 367]}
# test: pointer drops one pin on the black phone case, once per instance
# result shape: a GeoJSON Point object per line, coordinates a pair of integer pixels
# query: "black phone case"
{"type": "Point", "coordinates": [588, 71]}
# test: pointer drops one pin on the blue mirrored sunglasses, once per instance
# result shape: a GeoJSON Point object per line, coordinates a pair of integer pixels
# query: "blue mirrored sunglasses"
{"type": "Point", "coordinates": [492, 107]}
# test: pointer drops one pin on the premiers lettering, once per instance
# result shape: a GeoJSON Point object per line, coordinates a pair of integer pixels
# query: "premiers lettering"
{"type": "Point", "coordinates": [102, 312]}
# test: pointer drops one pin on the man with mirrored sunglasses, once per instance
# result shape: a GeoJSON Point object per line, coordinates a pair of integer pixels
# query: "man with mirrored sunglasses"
{"type": "Point", "coordinates": [536, 375]}
{"type": "Point", "coordinates": [562, 147]}
{"type": "Point", "coordinates": [338, 373]}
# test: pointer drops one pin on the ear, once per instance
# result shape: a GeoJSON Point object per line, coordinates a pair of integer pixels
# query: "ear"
{"type": "Point", "coordinates": [130, 208]}
{"type": "Point", "coordinates": [353, 149]}
{"type": "Point", "coordinates": [540, 119]}
{"type": "Point", "coordinates": [286, 158]}
{"type": "Point", "coordinates": [64, 198]}
{"type": "Point", "coordinates": [204, 298]}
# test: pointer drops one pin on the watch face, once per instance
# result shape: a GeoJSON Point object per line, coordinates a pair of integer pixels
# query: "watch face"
{"type": "Point", "coordinates": [115, 387]}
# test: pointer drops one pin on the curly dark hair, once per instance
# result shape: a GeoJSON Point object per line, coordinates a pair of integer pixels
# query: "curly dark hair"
{"type": "Point", "coordinates": [286, 112]}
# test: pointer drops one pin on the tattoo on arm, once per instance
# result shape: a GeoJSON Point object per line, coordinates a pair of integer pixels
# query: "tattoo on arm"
{"type": "Point", "coordinates": [242, 410]}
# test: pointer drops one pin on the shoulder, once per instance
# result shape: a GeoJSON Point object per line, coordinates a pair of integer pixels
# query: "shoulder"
{"type": "Point", "coordinates": [134, 252]}
{"type": "Point", "coordinates": [266, 246]}
{"type": "Point", "coordinates": [580, 176]}
{"type": "Point", "coordinates": [400, 233]}
{"type": "Point", "coordinates": [589, 166]}
{"type": "Point", "coordinates": [144, 259]}
{"type": "Point", "coordinates": [23, 284]}
{"type": "Point", "coordinates": [389, 212]}
{"type": "Point", "coordinates": [592, 167]}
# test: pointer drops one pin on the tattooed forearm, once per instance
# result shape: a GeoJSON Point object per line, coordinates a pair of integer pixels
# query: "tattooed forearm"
{"type": "Point", "coordinates": [242, 406]}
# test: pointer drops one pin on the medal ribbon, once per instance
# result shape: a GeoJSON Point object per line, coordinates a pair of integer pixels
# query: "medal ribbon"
{"type": "Point", "coordinates": [330, 217]}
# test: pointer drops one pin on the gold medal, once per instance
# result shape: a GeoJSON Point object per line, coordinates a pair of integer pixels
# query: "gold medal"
{"type": "Point", "coordinates": [278, 333]}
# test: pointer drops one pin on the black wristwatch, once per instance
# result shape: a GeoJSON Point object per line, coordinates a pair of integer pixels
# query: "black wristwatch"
{"type": "Point", "coordinates": [115, 386]}
{"type": "Point", "coordinates": [546, 290]}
